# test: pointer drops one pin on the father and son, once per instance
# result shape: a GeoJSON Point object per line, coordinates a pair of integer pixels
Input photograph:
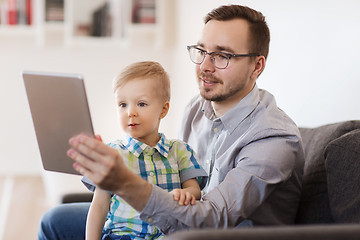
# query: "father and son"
{"type": "Point", "coordinates": [236, 145]}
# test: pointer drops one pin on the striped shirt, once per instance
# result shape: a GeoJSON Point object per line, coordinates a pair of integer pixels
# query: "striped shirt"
{"type": "Point", "coordinates": [168, 164]}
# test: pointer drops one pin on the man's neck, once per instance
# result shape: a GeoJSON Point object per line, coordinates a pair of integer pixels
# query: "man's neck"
{"type": "Point", "coordinates": [222, 107]}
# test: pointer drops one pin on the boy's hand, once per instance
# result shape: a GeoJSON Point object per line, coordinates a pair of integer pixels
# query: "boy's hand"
{"type": "Point", "coordinates": [183, 197]}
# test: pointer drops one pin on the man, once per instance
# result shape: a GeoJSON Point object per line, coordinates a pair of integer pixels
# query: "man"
{"type": "Point", "coordinates": [251, 150]}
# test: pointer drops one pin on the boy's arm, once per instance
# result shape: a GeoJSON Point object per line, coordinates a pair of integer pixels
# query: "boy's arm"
{"type": "Point", "coordinates": [189, 193]}
{"type": "Point", "coordinates": [97, 214]}
{"type": "Point", "coordinates": [192, 186]}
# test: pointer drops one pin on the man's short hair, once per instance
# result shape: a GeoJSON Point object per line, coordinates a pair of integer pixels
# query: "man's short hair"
{"type": "Point", "coordinates": [145, 70]}
{"type": "Point", "coordinates": [259, 30]}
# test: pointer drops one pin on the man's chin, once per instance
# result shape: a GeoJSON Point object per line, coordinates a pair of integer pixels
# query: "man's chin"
{"type": "Point", "coordinates": [211, 97]}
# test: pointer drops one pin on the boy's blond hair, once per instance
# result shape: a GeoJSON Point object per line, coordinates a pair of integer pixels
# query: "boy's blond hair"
{"type": "Point", "coordinates": [143, 70]}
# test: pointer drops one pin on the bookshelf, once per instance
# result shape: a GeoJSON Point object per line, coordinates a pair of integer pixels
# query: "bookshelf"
{"type": "Point", "coordinates": [120, 22]}
{"type": "Point", "coordinates": [17, 17]}
{"type": "Point", "coordinates": [95, 22]}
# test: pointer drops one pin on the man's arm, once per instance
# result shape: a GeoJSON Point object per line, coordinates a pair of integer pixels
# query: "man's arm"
{"type": "Point", "coordinates": [261, 189]}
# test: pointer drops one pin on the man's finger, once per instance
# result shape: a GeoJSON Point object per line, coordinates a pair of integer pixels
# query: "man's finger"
{"type": "Point", "coordinates": [81, 159]}
{"type": "Point", "coordinates": [98, 137]}
{"type": "Point", "coordinates": [90, 142]}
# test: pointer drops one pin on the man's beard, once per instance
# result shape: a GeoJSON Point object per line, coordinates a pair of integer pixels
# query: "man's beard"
{"type": "Point", "coordinates": [219, 97]}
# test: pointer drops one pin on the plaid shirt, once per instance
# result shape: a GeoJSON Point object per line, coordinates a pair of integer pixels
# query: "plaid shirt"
{"type": "Point", "coordinates": [168, 164]}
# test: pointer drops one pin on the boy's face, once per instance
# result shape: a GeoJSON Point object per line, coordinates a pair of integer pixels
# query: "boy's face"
{"type": "Point", "coordinates": [140, 109]}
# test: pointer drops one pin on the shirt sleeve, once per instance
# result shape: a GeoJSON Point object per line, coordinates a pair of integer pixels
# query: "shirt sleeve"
{"type": "Point", "coordinates": [187, 161]}
{"type": "Point", "coordinates": [88, 184]}
{"type": "Point", "coordinates": [238, 197]}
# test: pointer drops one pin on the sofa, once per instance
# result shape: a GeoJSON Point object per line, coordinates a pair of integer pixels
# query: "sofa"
{"type": "Point", "coordinates": [329, 206]}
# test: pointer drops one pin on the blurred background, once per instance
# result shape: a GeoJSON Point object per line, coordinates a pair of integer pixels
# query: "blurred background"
{"type": "Point", "coordinates": [312, 70]}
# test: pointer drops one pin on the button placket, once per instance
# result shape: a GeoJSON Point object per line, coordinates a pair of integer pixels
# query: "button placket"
{"type": "Point", "coordinates": [148, 155]}
{"type": "Point", "coordinates": [215, 135]}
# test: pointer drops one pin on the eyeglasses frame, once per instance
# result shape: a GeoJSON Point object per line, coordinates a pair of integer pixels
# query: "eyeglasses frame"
{"type": "Point", "coordinates": [229, 55]}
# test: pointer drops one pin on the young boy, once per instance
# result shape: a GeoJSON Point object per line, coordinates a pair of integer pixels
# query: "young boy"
{"type": "Point", "coordinates": [142, 94]}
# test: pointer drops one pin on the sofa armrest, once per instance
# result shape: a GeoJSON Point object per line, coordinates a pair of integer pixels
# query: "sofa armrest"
{"type": "Point", "coordinates": [308, 232]}
{"type": "Point", "coordinates": [343, 177]}
{"type": "Point", "coordinates": [77, 197]}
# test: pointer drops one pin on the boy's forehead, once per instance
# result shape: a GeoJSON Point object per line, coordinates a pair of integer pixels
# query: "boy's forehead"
{"type": "Point", "coordinates": [138, 87]}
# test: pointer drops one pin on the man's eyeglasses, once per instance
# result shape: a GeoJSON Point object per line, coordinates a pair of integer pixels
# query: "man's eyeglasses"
{"type": "Point", "coordinates": [219, 59]}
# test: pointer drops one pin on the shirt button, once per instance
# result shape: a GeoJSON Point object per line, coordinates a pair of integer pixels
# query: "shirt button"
{"type": "Point", "coordinates": [151, 174]}
{"type": "Point", "coordinates": [208, 161]}
{"type": "Point", "coordinates": [150, 220]}
{"type": "Point", "coordinates": [216, 130]}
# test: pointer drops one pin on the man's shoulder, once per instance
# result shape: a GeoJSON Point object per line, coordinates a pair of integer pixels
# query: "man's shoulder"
{"type": "Point", "coordinates": [267, 119]}
{"type": "Point", "coordinates": [273, 114]}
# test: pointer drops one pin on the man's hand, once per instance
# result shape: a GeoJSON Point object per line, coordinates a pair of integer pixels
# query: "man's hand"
{"type": "Point", "coordinates": [183, 197]}
{"type": "Point", "coordinates": [105, 168]}
{"type": "Point", "coordinates": [96, 161]}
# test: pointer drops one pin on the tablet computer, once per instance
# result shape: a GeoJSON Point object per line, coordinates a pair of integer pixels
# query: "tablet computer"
{"type": "Point", "coordinates": [59, 110]}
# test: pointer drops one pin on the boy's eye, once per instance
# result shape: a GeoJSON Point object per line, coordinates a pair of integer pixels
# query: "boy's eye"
{"type": "Point", "coordinates": [142, 104]}
{"type": "Point", "coordinates": [122, 105]}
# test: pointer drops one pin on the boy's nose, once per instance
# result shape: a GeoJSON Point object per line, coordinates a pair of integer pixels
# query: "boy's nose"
{"type": "Point", "coordinates": [132, 112]}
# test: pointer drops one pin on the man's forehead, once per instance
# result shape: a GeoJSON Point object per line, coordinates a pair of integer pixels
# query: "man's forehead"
{"type": "Point", "coordinates": [215, 47]}
{"type": "Point", "coordinates": [230, 35]}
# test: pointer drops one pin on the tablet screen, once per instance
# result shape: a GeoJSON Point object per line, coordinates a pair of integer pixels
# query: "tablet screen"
{"type": "Point", "coordinates": [59, 110]}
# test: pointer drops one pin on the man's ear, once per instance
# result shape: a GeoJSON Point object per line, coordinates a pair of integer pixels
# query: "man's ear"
{"type": "Point", "coordinates": [259, 66]}
{"type": "Point", "coordinates": [165, 109]}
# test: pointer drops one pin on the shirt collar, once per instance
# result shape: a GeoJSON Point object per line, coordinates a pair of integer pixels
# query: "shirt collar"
{"type": "Point", "coordinates": [136, 147]}
{"type": "Point", "coordinates": [240, 110]}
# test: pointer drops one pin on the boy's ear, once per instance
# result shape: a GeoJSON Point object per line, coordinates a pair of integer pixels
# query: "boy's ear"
{"type": "Point", "coordinates": [165, 109]}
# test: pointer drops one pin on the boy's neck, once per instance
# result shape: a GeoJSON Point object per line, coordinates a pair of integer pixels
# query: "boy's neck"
{"type": "Point", "coordinates": [150, 141]}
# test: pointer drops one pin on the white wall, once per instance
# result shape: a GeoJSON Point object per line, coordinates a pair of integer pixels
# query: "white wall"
{"type": "Point", "coordinates": [312, 70]}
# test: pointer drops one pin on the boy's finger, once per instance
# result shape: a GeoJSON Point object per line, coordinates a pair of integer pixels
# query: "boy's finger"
{"type": "Point", "coordinates": [193, 200]}
{"type": "Point", "coordinates": [186, 201]}
{"type": "Point", "coordinates": [182, 199]}
{"type": "Point", "coordinates": [175, 195]}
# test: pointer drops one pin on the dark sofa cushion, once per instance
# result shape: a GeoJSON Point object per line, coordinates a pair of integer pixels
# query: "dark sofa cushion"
{"type": "Point", "coordinates": [314, 206]}
{"type": "Point", "coordinates": [343, 176]}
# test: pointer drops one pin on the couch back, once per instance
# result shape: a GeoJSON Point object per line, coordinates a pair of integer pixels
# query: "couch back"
{"type": "Point", "coordinates": [331, 180]}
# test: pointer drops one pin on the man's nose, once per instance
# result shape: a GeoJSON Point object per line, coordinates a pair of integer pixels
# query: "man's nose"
{"type": "Point", "coordinates": [207, 64]}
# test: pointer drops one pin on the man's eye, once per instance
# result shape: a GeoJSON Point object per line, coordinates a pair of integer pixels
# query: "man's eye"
{"type": "Point", "coordinates": [221, 56]}
{"type": "Point", "coordinates": [122, 105]}
{"type": "Point", "coordinates": [200, 51]}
